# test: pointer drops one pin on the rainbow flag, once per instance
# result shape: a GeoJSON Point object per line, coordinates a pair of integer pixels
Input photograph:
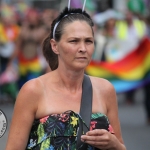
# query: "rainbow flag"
{"type": "Point", "coordinates": [32, 66]}
{"type": "Point", "coordinates": [131, 72]}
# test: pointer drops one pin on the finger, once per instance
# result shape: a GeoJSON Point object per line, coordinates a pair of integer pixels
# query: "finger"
{"type": "Point", "coordinates": [83, 140]}
{"type": "Point", "coordinates": [92, 138]}
{"type": "Point", "coordinates": [99, 138]}
{"type": "Point", "coordinates": [101, 144]}
{"type": "Point", "coordinates": [96, 132]}
{"type": "Point", "coordinates": [96, 143]}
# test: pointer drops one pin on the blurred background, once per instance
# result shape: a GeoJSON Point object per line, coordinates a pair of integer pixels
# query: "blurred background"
{"type": "Point", "coordinates": [122, 55]}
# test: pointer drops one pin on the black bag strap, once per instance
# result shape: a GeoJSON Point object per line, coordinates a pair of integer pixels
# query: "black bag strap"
{"type": "Point", "coordinates": [85, 110]}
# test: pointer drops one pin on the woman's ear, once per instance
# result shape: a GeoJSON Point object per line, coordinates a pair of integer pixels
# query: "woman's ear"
{"type": "Point", "coordinates": [54, 46]}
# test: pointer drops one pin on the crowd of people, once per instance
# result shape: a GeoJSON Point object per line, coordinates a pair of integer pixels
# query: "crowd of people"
{"type": "Point", "coordinates": [22, 33]}
{"type": "Point", "coordinates": [23, 28]}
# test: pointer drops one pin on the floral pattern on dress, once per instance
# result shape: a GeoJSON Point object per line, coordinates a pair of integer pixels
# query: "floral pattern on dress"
{"type": "Point", "coordinates": [59, 131]}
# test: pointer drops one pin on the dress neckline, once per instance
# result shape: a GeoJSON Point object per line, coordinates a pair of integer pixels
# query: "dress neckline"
{"type": "Point", "coordinates": [68, 112]}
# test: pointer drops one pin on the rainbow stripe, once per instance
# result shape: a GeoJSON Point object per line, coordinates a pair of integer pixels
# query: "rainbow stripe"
{"type": "Point", "coordinates": [131, 72]}
{"type": "Point", "coordinates": [32, 66]}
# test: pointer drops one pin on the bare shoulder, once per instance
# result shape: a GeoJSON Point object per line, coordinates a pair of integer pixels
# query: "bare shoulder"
{"type": "Point", "coordinates": [101, 83]}
{"type": "Point", "coordinates": [32, 86]}
{"type": "Point", "coordinates": [104, 89]}
{"type": "Point", "coordinates": [107, 91]}
{"type": "Point", "coordinates": [30, 93]}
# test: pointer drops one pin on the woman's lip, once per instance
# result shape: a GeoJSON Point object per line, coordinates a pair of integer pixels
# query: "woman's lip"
{"type": "Point", "coordinates": [81, 57]}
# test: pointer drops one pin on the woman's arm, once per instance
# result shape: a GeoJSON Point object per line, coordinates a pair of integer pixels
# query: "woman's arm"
{"type": "Point", "coordinates": [112, 113]}
{"type": "Point", "coordinates": [23, 116]}
{"type": "Point", "coordinates": [103, 139]}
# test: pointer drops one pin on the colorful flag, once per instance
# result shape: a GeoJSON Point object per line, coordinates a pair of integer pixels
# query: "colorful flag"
{"type": "Point", "coordinates": [132, 72]}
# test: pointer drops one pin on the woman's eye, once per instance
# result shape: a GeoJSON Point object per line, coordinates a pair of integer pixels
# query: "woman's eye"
{"type": "Point", "coordinates": [73, 41]}
{"type": "Point", "coordinates": [89, 41]}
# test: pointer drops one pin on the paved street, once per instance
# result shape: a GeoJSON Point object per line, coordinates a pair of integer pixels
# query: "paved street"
{"type": "Point", "coordinates": [135, 131]}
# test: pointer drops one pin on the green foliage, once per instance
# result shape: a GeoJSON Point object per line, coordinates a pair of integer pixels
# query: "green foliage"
{"type": "Point", "coordinates": [40, 132]}
{"type": "Point", "coordinates": [45, 144]}
{"type": "Point", "coordinates": [97, 115]}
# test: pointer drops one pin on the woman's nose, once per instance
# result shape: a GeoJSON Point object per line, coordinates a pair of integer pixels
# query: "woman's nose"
{"type": "Point", "coordinates": [82, 47]}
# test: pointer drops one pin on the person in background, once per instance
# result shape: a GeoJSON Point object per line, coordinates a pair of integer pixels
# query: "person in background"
{"type": "Point", "coordinates": [46, 113]}
{"type": "Point", "coordinates": [131, 31]}
{"type": "Point", "coordinates": [131, 28]}
{"type": "Point", "coordinates": [28, 47]}
{"type": "Point", "coordinates": [47, 16]}
{"type": "Point", "coordinates": [104, 35]}
{"type": "Point", "coordinates": [9, 33]}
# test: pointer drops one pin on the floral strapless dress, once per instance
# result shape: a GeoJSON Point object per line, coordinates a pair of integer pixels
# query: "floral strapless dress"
{"type": "Point", "coordinates": [59, 131]}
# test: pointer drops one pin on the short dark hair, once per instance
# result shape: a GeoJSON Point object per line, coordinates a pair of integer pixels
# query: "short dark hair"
{"type": "Point", "coordinates": [66, 17]}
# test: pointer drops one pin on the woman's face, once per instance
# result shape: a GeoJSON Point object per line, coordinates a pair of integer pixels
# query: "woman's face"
{"type": "Point", "coordinates": [76, 45]}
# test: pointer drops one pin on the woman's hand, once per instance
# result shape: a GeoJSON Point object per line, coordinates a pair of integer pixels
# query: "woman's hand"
{"type": "Point", "coordinates": [100, 138]}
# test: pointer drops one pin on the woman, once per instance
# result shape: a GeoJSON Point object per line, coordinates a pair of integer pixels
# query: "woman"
{"type": "Point", "coordinates": [46, 110]}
